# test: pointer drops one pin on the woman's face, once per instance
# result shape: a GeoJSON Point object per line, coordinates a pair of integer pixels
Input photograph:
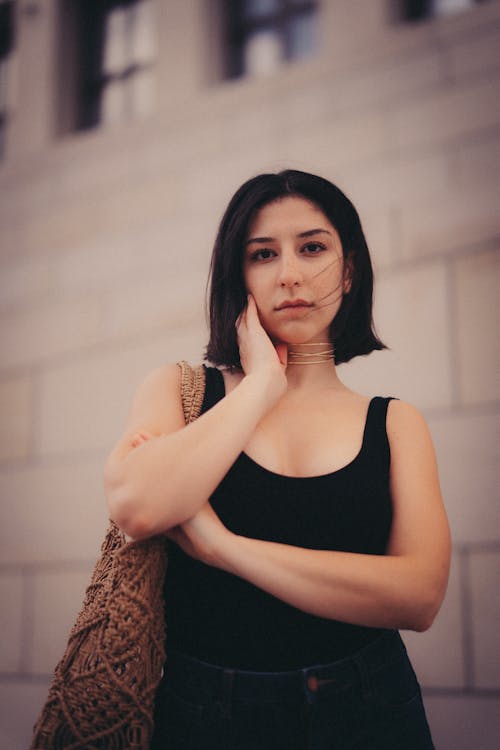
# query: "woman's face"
{"type": "Point", "coordinates": [293, 266]}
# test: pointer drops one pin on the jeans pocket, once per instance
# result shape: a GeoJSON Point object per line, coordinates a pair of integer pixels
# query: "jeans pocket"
{"type": "Point", "coordinates": [397, 715]}
{"type": "Point", "coordinates": [394, 685]}
{"type": "Point", "coordinates": [177, 723]}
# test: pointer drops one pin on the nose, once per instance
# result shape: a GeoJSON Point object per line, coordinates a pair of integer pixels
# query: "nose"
{"type": "Point", "coordinates": [289, 273]}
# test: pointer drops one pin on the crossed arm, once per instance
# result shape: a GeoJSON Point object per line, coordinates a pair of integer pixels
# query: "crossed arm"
{"type": "Point", "coordinates": [401, 589]}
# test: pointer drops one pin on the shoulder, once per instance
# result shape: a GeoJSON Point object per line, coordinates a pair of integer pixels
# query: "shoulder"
{"type": "Point", "coordinates": [167, 373]}
{"type": "Point", "coordinates": [407, 428]}
{"type": "Point", "coordinates": [167, 376]}
{"type": "Point", "coordinates": [401, 416]}
{"type": "Point", "coordinates": [161, 383]}
{"type": "Point", "coordinates": [157, 400]}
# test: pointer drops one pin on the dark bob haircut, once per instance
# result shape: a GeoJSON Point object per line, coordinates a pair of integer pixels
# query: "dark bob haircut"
{"type": "Point", "coordinates": [352, 329]}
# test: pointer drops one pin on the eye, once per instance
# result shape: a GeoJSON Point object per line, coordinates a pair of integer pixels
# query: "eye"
{"type": "Point", "coordinates": [260, 256]}
{"type": "Point", "coordinates": [313, 248]}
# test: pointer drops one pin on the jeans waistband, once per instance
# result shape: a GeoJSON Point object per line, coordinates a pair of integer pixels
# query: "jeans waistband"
{"type": "Point", "coordinates": [222, 682]}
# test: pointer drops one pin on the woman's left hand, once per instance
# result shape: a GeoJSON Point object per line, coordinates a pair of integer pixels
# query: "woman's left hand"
{"type": "Point", "coordinates": [202, 536]}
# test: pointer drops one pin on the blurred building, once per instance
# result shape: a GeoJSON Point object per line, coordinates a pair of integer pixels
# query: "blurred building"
{"type": "Point", "coordinates": [125, 126]}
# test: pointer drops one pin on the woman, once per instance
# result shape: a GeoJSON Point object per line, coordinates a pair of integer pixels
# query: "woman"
{"type": "Point", "coordinates": [307, 519]}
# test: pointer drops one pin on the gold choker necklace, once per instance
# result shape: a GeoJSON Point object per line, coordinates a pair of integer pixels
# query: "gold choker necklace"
{"type": "Point", "coordinates": [312, 358]}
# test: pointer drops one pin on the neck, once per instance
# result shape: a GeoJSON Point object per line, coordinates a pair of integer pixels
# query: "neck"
{"type": "Point", "coordinates": [316, 369]}
{"type": "Point", "coordinates": [310, 354]}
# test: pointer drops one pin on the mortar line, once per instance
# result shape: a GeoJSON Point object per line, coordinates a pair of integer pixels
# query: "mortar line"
{"type": "Point", "coordinates": [466, 618]}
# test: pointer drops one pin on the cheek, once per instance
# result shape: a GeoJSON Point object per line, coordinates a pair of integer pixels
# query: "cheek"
{"type": "Point", "coordinates": [254, 284]}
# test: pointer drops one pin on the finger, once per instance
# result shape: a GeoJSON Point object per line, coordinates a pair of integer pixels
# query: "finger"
{"type": "Point", "coordinates": [282, 352]}
{"type": "Point", "coordinates": [141, 437]}
{"type": "Point", "coordinates": [241, 317]}
{"type": "Point", "coordinates": [252, 317]}
{"type": "Point", "coordinates": [251, 305]}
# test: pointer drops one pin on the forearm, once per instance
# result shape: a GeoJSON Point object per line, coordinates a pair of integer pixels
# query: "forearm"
{"type": "Point", "coordinates": [167, 479]}
{"type": "Point", "coordinates": [371, 590]}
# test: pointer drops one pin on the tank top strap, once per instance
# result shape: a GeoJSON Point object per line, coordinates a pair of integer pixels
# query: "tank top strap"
{"type": "Point", "coordinates": [375, 441]}
{"type": "Point", "coordinates": [214, 388]}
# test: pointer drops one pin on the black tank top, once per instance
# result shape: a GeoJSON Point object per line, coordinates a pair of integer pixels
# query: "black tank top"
{"type": "Point", "coordinates": [220, 618]}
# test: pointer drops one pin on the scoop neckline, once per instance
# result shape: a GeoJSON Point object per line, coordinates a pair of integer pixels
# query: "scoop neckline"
{"type": "Point", "coordinates": [243, 455]}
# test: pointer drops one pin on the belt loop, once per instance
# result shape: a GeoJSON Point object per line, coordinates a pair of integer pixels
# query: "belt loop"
{"type": "Point", "coordinates": [364, 675]}
{"type": "Point", "coordinates": [310, 682]}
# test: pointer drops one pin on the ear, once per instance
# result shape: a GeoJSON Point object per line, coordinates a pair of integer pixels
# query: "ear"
{"type": "Point", "coordinates": [348, 273]}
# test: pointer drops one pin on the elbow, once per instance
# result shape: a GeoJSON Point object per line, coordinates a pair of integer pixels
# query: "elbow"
{"type": "Point", "coordinates": [125, 510]}
{"type": "Point", "coordinates": [134, 526]}
{"type": "Point", "coordinates": [423, 621]}
{"type": "Point", "coordinates": [128, 510]}
{"type": "Point", "coordinates": [424, 616]}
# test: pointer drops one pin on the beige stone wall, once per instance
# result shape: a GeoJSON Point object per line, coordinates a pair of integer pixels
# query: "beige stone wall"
{"type": "Point", "coordinates": [104, 248]}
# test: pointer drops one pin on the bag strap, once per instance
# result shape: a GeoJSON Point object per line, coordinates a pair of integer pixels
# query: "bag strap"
{"type": "Point", "coordinates": [193, 381]}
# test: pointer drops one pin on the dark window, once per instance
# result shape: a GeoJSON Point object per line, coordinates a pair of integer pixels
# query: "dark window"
{"type": "Point", "coordinates": [417, 10]}
{"type": "Point", "coordinates": [6, 46]}
{"type": "Point", "coordinates": [114, 55]}
{"type": "Point", "coordinates": [262, 34]}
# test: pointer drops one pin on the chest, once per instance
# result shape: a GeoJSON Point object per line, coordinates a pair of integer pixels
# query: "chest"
{"type": "Point", "coordinates": [347, 510]}
{"type": "Point", "coordinates": [309, 438]}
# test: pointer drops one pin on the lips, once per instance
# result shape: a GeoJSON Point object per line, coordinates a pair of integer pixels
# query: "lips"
{"type": "Point", "coordinates": [296, 303]}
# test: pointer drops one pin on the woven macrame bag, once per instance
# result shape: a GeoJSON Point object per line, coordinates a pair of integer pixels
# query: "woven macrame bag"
{"type": "Point", "coordinates": [103, 690]}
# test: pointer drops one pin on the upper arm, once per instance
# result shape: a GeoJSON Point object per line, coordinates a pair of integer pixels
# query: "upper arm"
{"type": "Point", "coordinates": [156, 408]}
{"type": "Point", "coordinates": [420, 527]}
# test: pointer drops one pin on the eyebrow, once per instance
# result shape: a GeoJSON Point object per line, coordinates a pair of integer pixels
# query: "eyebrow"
{"type": "Point", "coordinates": [307, 233]}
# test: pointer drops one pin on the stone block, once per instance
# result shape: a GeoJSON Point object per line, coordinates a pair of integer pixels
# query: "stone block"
{"type": "Point", "coordinates": [437, 655]}
{"type": "Point", "coordinates": [444, 114]}
{"type": "Point", "coordinates": [83, 405]}
{"type": "Point", "coordinates": [475, 53]}
{"type": "Point", "coordinates": [456, 220]}
{"type": "Point", "coordinates": [35, 85]}
{"type": "Point", "coordinates": [16, 408]}
{"type": "Point", "coordinates": [477, 282]}
{"type": "Point", "coordinates": [396, 181]}
{"type": "Point", "coordinates": [478, 163]}
{"type": "Point", "coordinates": [156, 304]}
{"type": "Point", "coordinates": [52, 512]}
{"type": "Point", "coordinates": [43, 333]}
{"type": "Point", "coordinates": [343, 17]}
{"type": "Point", "coordinates": [380, 229]}
{"type": "Point", "coordinates": [464, 722]}
{"type": "Point", "coordinates": [336, 144]}
{"type": "Point", "coordinates": [106, 207]}
{"type": "Point", "coordinates": [20, 704]}
{"type": "Point", "coordinates": [24, 281]}
{"type": "Point", "coordinates": [163, 250]}
{"type": "Point", "coordinates": [57, 601]}
{"type": "Point", "coordinates": [485, 605]}
{"type": "Point", "coordinates": [396, 78]}
{"type": "Point", "coordinates": [467, 449]}
{"type": "Point", "coordinates": [11, 620]}
{"type": "Point", "coordinates": [411, 316]}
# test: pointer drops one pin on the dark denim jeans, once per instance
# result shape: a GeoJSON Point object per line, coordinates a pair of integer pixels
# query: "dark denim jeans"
{"type": "Point", "coordinates": [370, 701]}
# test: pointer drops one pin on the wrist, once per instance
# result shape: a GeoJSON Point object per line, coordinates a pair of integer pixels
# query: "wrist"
{"type": "Point", "coordinates": [266, 386]}
{"type": "Point", "coordinates": [226, 547]}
